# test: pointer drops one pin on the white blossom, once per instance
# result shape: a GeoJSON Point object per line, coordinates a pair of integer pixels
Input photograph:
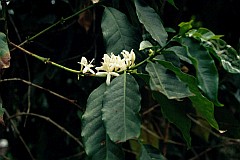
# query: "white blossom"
{"type": "Point", "coordinates": [85, 66]}
{"type": "Point", "coordinates": [112, 64]}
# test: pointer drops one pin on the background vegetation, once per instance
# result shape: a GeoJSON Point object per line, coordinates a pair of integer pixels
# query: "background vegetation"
{"type": "Point", "coordinates": [57, 99]}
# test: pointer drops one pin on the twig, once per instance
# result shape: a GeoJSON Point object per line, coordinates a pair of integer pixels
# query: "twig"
{"type": "Point", "coordinates": [166, 138]}
{"type": "Point", "coordinates": [50, 121]}
{"type": "Point", "coordinates": [19, 135]}
{"type": "Point", "coordinates": [61, 21]}
{"type": "Point", "coordinates": [213, 133]}
{"type": "Point", "coordinates": [150, 109]}
{"type": "Point", "coordinates": [47, 90]}
{"type": "Point", "coordinates": [161, 138]}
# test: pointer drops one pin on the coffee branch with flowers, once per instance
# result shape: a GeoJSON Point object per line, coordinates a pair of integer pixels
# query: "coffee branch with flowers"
{"type": "Point", "coordinates": [111, 65]}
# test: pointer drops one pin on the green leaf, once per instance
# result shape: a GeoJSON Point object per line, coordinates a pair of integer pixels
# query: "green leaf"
{"type": "Point", "coordinates": [202, 34]}
{"type": "Point", "coordinates": [184, 27]}
{"type": "Point", "coordinates": [180, 52]}
{"type": "Point", "coordinates": [172, 3]}
{"type": "Point", "coordinates": [149, 153]}
{"type": "Point", "coordinates": [4, 52]}
{"type": "Point", "coordinates": [166, 83]}
{"type": "Point", "coordinates": [118, 33]}
{"type": "Point", "coordinates": [203, 106]}
{"type": "Point", "coordinates": [145, 45]}
{"type": "Point", "coordinates": [97, 144]}
{"type": "Point", "coordinates": [151, 21]}
{"type": "Point", "coordinates": [121, 105]}
{"type": "Point", "coordinates": [206, 70]}
{"type": "Point", "coordinates": [175, 113]}
{"type": "Point", "coordinates": [227, 55]}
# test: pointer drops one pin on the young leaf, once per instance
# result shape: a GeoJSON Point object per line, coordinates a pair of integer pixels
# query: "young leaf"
{"type": "Point", "coordinates": [97, 144]}
{"type": "Point", "coordinates": [4, 52]}
{"type": "Point", "coordinates": [151, 21]}
{"type": "Point", "coordinates": [203, 106]}
{"type": "Point", "coordinates": [118, 33]}
{"type": "Point", "coordinates": [149, 153]}
{"type": "Point", "coordinates": [207, 73]}
{"type": "Point", "coordinates": [166, 83]}
{"type": "Point", "coordinates": [175, 113]}
{"type": "Point", "coordinates": [121, 105]}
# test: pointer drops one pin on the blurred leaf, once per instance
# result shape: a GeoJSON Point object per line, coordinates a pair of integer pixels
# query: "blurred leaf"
{"type": "Point", "coordinates": [4, 52]}
{"type": "Point", "coordinates": [97, 144]}
{"type": "Point", "coordinates": [172, 3]}
{"type": "Point", "coordinates": [203, 106]}
{"type": "Point", "coordinates": [121, 105]}
{"type": "Point", "coordinates": [202, 34]}
{"type": "Point", "coordinates": [175, 113]}
{"type": "Point", "coordinates": [118, 33]}
{"type": "Point", "coordinates": [184, 27]}
{"type": "Point", "coordinates": [200, 131]}
{"type": "Point", "coordinates": [149, 153]}
{"type": "Point", "coordinates": [151, 21]}
{"type": "Point", "coordinates": [206, 70]}
{"type": "Point", "coordinates": [166, 83]}
{"type": "Point", "coordinates": [149, 138]}
{"type": "Point", "coordinates": [145, 45]}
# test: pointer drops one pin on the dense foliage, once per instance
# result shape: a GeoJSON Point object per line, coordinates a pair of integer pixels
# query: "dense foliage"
{"type": "Point", "coordinates": [109, 80]}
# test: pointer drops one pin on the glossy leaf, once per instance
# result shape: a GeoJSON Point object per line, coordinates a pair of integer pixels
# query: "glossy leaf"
{"type": "Point", "coordinates": [175, 113]}
{"type": "Point", "coordinates": [151, 21]}
{"type": "Point", "coordinates": [118, 33]}
{"type": "Point", "coordinates": [227, 55]}
{"type": "Point", "coordinates": [206, 70]}
{"type": "Point", "coordinates": [149, 153]}
{"type": "Point", "coordinates": [121, 105]}
{"type": "Point", "coordinates": [4, 52]}
{"type": "Point", "coordinates": [97, 144]}
{"type": "Point", "coordinates": [166, 83]}
{"type": "Point", "coordinates": [203, 106]}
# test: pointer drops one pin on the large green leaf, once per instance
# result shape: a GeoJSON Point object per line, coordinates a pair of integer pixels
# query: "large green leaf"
{"type": "Point", "coordinates": [4, 52]}
{"type": "Point", "coordinates": [175, 112]}
{"type": "Point", "coordinates": [206, 70]}
{"type": "Point", "coordinates": [151, 21]}
{"type": "Point", "coordinates": [97, 144]}
{"type": "Point", "coordinates": [166, 83]}
{"type": "Point", "coordinates": [121, 105]}
{"type": "Point", "coordinates": [118, 33]}
{"type": "Point", "coordinates": [149, 153]}
{"type": "Point", "coordinates": [203, 106]}
{"type": "Point", "coordinates": [227, 55]}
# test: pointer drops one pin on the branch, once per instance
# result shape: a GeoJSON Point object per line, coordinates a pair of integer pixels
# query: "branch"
{"type": "Point", "coordinates": [47, 90]}
{"type": "Point", "coordinates": [50, 121]}
{"type": "Point", "coordinates": [61, 21]}
{"type": "Point", "coordinates": [19, 135]}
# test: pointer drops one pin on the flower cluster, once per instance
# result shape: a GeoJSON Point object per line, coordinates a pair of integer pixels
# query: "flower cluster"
{"type": "Point", "coordinates": [111, 65]}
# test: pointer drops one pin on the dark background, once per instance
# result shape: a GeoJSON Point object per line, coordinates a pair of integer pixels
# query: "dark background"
{"type": "Point", "coordinates": [66, 43]}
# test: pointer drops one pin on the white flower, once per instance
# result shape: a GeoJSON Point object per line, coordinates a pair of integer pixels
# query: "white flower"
{"type": "Point", "coordinates": [112, 64]}
{"type": "Point", "coordinates": [85, 66]}
{"type": "Point", "coordinates": [129, 58]}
